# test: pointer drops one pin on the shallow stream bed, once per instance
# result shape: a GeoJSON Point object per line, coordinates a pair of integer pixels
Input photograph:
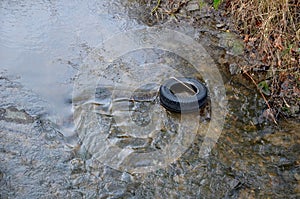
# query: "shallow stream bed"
{"type": "Point", "coordinates": [80, 115]}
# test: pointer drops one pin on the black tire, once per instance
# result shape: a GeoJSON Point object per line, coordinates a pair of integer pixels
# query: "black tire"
{"type": "Point", "coordinates": [175, 103]}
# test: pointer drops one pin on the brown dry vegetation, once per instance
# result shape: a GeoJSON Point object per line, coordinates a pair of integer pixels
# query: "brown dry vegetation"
{"type": "Point", "coordinates": [271, 32]}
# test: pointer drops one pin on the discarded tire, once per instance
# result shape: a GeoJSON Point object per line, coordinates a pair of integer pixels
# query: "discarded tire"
{"type": "Point", "coordinates": [182, 95]}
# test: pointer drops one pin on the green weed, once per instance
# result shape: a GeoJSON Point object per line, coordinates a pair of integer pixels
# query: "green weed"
{"type": "Point", "coordinates": [216, 4]}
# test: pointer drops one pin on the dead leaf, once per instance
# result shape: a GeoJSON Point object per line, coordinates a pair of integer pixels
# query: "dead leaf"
{"type": "Point", "coordinates": [246, 39]}
{"type": "Point", "coordinates": [278, 43]}
{"type": "Point", "coordinates": [296, 91]}
{"type": "Point", "coordinates": [279, 62]}
{"type": "Point", "coordinates": [252, 39]}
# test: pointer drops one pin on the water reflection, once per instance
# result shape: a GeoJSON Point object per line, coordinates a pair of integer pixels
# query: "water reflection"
{"type": "Point", "coordinates": [43, 42]}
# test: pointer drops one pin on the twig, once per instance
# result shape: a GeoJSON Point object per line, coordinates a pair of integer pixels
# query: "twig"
{"type": "Point", "coordinates": [261, 93]}
{"type": "Point", "coordinates": [172, 11]}
{"type": "Point", "coordinates": [156, 7]}
{"type": "Point", "coordinates": [184, 84]}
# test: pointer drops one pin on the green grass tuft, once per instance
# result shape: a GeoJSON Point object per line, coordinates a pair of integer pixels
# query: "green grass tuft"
{"type": "Point", "coordinates": [216, 4]}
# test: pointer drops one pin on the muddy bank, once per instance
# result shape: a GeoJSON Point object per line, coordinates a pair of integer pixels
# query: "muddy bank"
{"type": "Point", "coordinates": [275, 75]}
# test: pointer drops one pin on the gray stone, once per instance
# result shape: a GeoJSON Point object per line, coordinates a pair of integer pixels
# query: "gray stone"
{"type": "Point", "coordinates": [192, 6]}
{"type": "Point", "coordinates": [234, 69]}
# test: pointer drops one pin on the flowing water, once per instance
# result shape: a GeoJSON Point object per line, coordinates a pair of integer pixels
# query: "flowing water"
{"type": "Point", "coordinates": [80, 115]}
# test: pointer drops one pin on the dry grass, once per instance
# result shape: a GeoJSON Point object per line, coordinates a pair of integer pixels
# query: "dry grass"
{"type": "Point", "coordinates": [271, 31]}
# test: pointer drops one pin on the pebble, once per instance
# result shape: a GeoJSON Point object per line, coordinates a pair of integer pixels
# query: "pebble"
{"type": "Point", "coordinates": [234, 69]}
{"type": "Point", "coordinates": [220, 25]}
{"type": "Point", "coordinates": [126, 177]}
{"type": "Point", "coordinates": [297, 176]}
{"type": "Point", "coordinates": [192, 7]}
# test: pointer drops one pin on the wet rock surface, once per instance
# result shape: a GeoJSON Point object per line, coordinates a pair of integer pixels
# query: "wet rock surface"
{"type": "Point", "coordinates": [11, 114]}
{"type": "Point", "coordinates": [32, 165]}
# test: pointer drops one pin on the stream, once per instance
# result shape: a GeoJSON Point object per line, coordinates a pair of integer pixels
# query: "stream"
{"type": "Point", "coordinates": [80, 115]}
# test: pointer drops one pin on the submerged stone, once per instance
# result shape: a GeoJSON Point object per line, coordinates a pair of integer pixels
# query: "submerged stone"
{"type": "Point", "coordinates": [12, 114]}
{"type": "Point", "coordinates": [232, 43]}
